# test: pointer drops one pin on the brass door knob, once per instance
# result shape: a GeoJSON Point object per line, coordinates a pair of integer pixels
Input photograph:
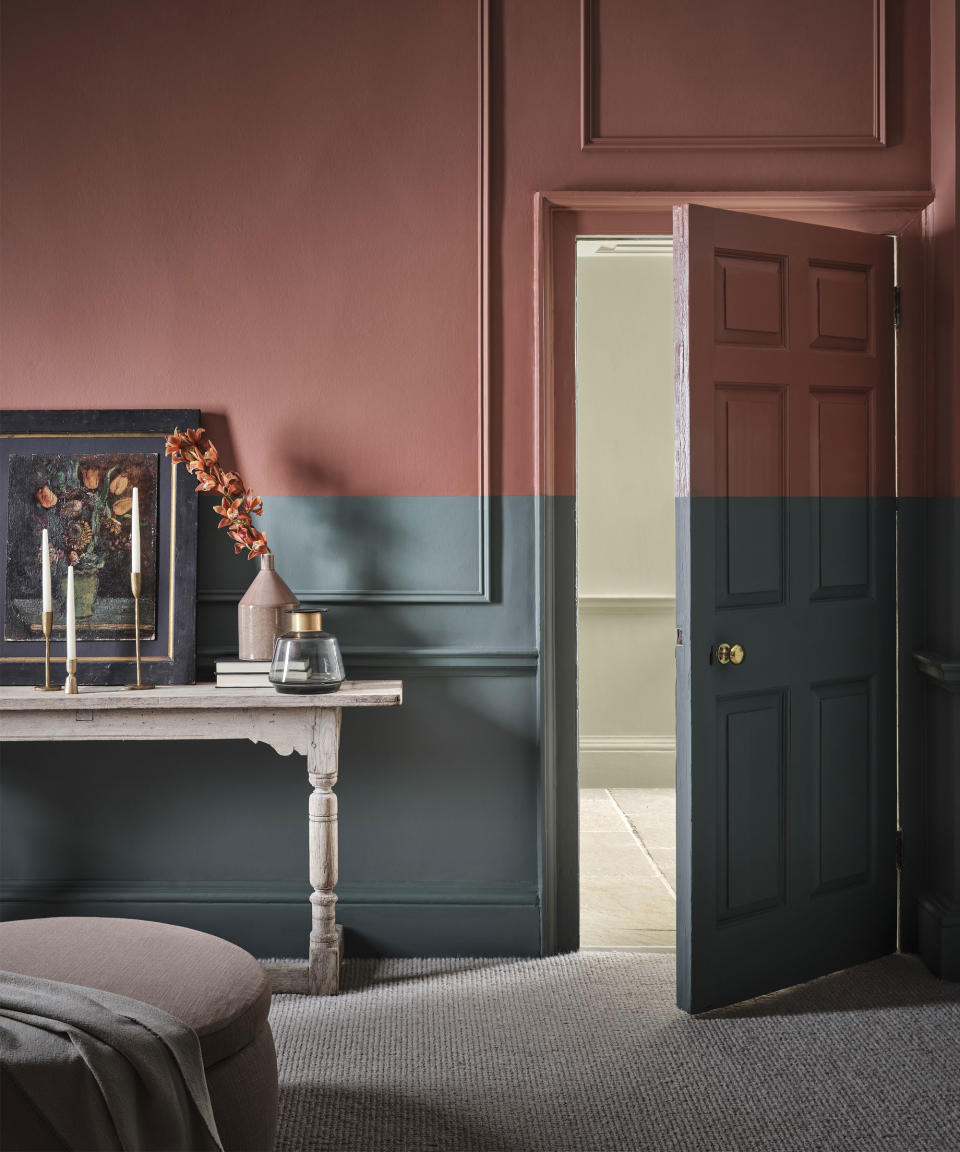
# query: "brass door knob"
{"type": "Point", "coordinates": [730, 653]}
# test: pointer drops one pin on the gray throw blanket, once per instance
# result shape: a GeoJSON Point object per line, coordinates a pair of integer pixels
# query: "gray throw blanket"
{"type": "Point", "coordinates": [83, 1069]}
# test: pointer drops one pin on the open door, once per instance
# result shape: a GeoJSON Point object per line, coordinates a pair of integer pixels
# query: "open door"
{"type": "Point", "coordinates": [786, 603]}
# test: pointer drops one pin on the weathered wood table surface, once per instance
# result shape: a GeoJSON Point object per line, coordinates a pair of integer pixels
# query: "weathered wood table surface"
{"type": "Point", "coordinates": [308, 724]}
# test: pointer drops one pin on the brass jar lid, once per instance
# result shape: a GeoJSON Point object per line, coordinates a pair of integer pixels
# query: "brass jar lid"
{"type": "Point", "coordinates": [300, 621]}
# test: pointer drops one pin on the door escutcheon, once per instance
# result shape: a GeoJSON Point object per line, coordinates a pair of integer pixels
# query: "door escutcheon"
{"type": "Point", "coordinates": [730, 653]}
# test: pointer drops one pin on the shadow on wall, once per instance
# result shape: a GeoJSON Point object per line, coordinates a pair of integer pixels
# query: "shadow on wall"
{"type": "Point", "coordinates": [217, 425]}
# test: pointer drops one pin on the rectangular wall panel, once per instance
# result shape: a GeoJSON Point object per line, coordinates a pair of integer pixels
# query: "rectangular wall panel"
{"type": "Point", "coordinates": [843, 755]}
{"type": "Point", "coordinates": [749, 454]}
{"type": "Point", "coordinates": [752, 834]}
{"type": "Point", "coordinates": [656, 74]}
{"type": "Point", "coordinates": [841, 436]}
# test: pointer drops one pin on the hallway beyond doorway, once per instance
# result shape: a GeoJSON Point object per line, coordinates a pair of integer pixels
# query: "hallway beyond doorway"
{"type": "Point", "coordinates": [627, 867]}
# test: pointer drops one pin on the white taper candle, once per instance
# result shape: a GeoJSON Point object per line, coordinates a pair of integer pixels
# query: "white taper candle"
{"type": "Point", "coordinates": [47, 605]}
{"type": "Point", "coordinates": [135, 532]}
{"type": "Point", "coordinates": [71, 618]}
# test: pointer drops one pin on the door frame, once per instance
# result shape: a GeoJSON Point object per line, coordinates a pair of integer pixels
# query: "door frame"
{"type": "Point", "coordinates": [559, 217]}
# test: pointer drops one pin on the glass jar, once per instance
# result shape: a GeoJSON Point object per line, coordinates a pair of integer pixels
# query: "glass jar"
{"type": "Point", "coordinates": [305, 658]}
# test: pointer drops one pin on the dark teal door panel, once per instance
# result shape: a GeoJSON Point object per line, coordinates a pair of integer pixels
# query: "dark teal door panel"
{"type": "Point", "coordinates": [751, 829]}
{"type": "Point", "coordinates": [791, 848]}
{"type": "Point", "coordinates": [842, 751]}
{"type": "Point", "coordinates": [751, 553]}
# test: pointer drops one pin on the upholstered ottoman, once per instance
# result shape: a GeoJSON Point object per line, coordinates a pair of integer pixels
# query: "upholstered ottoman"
{"type": "Point", "coordinates": [216, 988]}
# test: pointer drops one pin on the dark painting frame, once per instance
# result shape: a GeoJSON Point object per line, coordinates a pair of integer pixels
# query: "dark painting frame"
{"type": "Point", "coordinates": [170, 656]}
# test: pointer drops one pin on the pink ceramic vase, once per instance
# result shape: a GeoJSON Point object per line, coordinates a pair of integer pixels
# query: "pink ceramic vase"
{"type": "Point", "coordinates": [260, 615]}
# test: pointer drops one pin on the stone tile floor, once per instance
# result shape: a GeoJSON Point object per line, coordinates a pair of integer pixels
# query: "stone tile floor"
{"type": "Point", "coordinates": [628, 867]}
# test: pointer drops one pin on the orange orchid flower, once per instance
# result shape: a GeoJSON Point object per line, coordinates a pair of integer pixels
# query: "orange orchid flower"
{"type": "Point", "coordinates": [229, 510]}
{"type": "Point", "coordinates": [199, 455]}
{"type": "Point", "coordinates": [207, 482]}
{"type": "Point", "coordinates": [232, 484]}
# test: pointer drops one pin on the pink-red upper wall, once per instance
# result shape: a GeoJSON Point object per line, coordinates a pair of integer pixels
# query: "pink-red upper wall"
{"type": "Point", "coordinates": [266, 209]}
{"type": "Point", "coordinates": [271, 209]}
{"type": "Point", "coordinates": [944, 224]}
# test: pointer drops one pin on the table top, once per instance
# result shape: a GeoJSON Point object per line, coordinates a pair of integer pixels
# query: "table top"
{"type": "Point", "coordinates": [351, 694]}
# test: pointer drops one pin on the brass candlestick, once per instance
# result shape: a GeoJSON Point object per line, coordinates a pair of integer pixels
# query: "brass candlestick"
{"type": "Point", "coordinates": [135, 587]}
{"type": "Point", "coordinates": [46, 623]}
{"type": "Point", "coordinates": [70, 683]}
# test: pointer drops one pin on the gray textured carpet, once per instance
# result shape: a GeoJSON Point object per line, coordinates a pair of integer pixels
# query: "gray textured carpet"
{"type": "Point", "coordinates": [587, 1052]}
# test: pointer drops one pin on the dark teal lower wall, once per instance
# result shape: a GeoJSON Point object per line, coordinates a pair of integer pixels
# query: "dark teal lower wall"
{"type": "Point", "coordinates": [439, 799]}
{"type": "Point", "coordinates": [438, 812]}
{"type": "Point", "coordinates": [939, 919]}
{"type": "Point", "coordinates": [443, 825]}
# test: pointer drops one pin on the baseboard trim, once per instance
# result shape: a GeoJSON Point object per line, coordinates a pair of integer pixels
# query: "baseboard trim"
{"type": "Point", "coordinates": [939, 936]}
{"type": "Point", "coordinates": [944, 671]}
{"type": "Point", "coordinates": [16, 892]}
{"type": "Point", "coordinates": [274, 920]}
{"type": "Point", "coordinates": [628, 761]}
{"type": "Point", "coordinates": [656, 949]}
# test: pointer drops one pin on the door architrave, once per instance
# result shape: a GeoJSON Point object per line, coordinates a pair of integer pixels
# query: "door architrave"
{"type": "Point", "coordinates": [559, 218]}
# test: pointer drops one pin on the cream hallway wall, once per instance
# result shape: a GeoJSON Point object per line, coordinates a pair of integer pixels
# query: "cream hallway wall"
{"type": "Point", "coordinates": [625, 510]}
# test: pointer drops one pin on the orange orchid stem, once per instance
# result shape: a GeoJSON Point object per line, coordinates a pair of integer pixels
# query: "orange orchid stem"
{"type": "Point", "coordinates": [197, 453]}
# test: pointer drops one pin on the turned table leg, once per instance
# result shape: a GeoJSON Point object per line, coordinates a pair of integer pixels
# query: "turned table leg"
{"type": "Point", "coordinates": [326, 939]}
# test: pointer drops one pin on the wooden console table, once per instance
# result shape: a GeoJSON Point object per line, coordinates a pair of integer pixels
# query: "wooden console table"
{"type": "Point", "coordinates": [306, 724]}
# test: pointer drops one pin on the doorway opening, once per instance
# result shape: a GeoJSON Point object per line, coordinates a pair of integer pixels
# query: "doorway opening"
{"type": "Point", "coordinates": [626, 605]}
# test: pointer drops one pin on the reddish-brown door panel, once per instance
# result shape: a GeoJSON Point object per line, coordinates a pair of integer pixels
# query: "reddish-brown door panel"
{"type": "Point", "coordinates": [765, 315]}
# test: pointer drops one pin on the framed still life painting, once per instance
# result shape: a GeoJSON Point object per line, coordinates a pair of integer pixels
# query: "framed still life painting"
{"type": "Point", "coordinates": [73, 474]}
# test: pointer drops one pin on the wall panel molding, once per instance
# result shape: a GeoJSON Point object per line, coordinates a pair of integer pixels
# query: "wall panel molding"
{"type": "Point", "coordinates": [591, 136]}
{"type": "Point", "coordinates": [479, 589]}
{"type": "Point", "coordinates": [483, 292]}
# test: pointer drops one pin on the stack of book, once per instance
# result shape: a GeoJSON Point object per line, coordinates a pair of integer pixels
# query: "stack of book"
{"type": "Point", "coordinates": [255, 673]}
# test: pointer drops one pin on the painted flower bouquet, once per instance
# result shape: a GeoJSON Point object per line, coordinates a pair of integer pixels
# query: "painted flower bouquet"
{"type": "Point", "coordinates": [84, 505]}
{"type": "Point", "coordinates": [196, 450]}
